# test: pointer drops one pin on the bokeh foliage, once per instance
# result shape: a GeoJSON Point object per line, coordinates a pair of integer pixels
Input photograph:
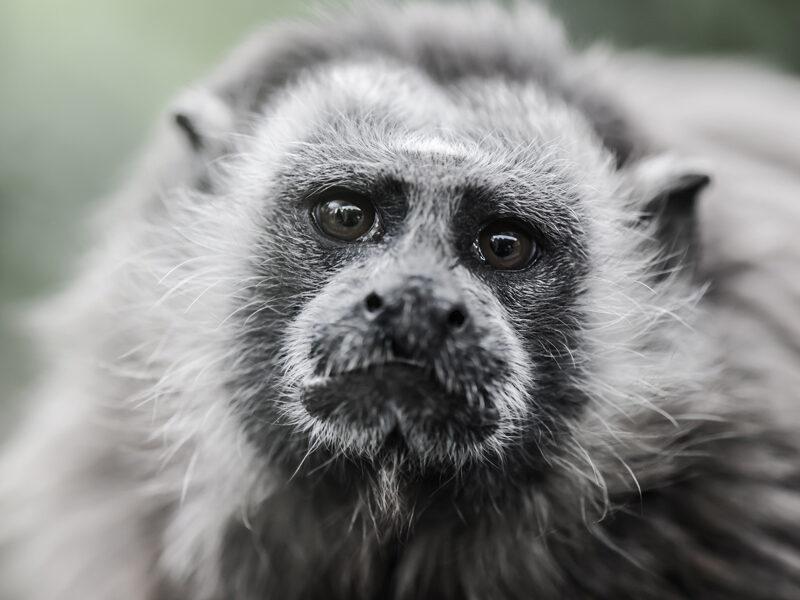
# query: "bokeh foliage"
{"type": "Point", "coordinates": [81, 82]}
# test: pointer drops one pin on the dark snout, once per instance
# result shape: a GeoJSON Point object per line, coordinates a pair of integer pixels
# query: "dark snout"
{"type": "Point", "coordinates": [416, 316]}
{"type": "Point", "coordinates": [406, 356]}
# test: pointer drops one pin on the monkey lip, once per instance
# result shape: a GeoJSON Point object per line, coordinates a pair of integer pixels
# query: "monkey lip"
{"type": "Point", "coordinates": [395, 363]}
{"type": "Point", "coordinates": [400, 399]}
{"type": "Point", "coordinates": [373, 387]}
{"type": "Point", "coordinates": [396, 369]}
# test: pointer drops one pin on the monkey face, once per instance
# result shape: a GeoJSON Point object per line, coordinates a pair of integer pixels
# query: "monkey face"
{"type": "Point", "coordinates": [440, 272]}
{"type": "Point", "coordinates": [420, 280]}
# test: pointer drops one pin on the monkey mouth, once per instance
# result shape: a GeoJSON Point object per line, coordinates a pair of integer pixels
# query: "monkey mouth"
{"type": "Point", "coordinates": [377, 368]}
{"type": "Point", "coordinates": [399, 401]}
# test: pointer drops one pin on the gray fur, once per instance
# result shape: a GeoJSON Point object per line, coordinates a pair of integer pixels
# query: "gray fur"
{"type": "Point", "coordinates": [636, 387]}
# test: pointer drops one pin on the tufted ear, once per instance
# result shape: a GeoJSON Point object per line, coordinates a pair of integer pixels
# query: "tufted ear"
{"type": "Point", "coordinates": [666, 189]}
{"type": "Point", "coordinates": [204, 120]}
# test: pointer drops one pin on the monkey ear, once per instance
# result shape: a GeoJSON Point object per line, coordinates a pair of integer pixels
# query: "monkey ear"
{"type": "Point", "coordinates": [666, 189]}
{"type": "Point", "coordinates": [204, 120]}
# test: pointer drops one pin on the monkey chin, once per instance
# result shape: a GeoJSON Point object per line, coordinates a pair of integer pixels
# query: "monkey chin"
{"type": "Point", "coordinates": [400, 410]}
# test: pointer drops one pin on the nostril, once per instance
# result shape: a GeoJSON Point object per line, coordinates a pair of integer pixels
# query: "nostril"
{"type": "Point", "coordinates": [373, 302]}
{"type": "Point", "coordinates": [456, 318]}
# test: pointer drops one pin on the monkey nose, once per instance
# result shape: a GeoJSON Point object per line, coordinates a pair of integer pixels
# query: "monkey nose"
{"type": "Point", "coordinates": [416, 310]}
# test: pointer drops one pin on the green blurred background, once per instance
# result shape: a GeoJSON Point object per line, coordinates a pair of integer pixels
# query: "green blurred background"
{"type": "Point", "coordinates": [82, 81]}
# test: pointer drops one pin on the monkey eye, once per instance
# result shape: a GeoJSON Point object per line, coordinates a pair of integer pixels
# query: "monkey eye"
{"type": "Point", "coordinates": [344, 216]}
{"type": "Point", "coordinates": [506, 244]}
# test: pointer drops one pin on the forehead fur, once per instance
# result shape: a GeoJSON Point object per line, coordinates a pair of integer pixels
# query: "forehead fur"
{"type": "Point", "coordinates": [399, 108]}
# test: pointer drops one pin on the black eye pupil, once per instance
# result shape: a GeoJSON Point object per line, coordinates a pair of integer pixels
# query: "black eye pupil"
{"type": "Point", "coordinates": [504, 244]}
{"type": "Point", "coordinates": [348, 215]}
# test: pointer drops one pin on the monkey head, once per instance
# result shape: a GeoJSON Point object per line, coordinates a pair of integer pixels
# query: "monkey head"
{"type": "Point", "coordinates": [451, 281]}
